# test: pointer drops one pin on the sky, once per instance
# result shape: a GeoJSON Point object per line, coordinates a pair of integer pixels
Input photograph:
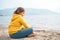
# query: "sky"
{"type": "Point", "coordinates": [53, 5]}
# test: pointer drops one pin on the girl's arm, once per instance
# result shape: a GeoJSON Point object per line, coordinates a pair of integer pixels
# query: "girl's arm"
{"type": "Point", "coordinates": [23, 22]}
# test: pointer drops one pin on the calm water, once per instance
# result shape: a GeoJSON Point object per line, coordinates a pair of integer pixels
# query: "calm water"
{"type": "Point", "coordinates": [36, 21]}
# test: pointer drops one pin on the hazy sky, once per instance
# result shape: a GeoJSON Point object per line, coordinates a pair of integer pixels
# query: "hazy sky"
{"type": "Point", "coordinates": [53, 5]}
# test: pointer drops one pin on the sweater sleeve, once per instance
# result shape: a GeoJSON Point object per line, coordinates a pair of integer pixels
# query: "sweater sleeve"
{"type": "Point", "coordinates": [23, 22]}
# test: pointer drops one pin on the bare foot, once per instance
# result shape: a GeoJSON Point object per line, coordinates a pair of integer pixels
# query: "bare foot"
{"type": "Point", "coordinates": [33, 34]}
{"type": "Point", "coordinates": [0, 35]}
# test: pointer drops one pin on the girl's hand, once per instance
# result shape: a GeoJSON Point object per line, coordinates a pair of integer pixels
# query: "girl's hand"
{"type": "Point", "coordinates": [23, 28]}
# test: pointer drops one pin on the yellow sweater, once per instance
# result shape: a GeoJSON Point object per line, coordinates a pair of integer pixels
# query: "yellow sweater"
{"type": "Point", "coordinates": [17, 23]}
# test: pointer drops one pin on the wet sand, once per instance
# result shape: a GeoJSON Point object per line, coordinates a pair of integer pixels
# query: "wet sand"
{"type": "Point", "coordinates": [41, 35]}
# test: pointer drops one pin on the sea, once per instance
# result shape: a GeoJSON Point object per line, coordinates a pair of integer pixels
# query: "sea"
{"type": "Point", "coordinates": [46, 22]}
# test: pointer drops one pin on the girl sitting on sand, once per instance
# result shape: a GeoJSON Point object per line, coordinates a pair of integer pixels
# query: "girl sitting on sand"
{"type": "Point", "coordinates": [18, 27]}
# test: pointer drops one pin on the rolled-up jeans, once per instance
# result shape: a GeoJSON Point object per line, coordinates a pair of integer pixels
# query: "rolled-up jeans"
{"type": "Point", "coordinates": [22, 33]}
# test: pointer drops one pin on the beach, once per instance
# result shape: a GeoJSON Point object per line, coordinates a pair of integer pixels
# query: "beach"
{"type": "Point", "coordinates": [47, 27]}
{"type": "Point", "coordinates": [41, 35]}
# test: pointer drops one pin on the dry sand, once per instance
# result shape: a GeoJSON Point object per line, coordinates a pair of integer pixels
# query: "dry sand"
{"type": "Point", "coordinates": [41, 35]}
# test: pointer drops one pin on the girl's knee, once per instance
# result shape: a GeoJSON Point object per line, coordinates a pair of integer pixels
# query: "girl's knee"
{"type": "Point", "coordinates": [31, 30]}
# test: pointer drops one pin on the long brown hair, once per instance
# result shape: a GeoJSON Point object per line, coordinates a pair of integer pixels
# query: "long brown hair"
{"type": "Point", "coordinates": [19, 10]}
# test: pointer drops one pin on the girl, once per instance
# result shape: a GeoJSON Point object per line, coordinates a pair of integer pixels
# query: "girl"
{"type": "Point", "coordinates": [18, 27]}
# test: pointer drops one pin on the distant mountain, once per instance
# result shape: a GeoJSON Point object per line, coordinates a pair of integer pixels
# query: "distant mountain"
{"type": "Point", "coordinates": [7, 12]}
{"type": "Point", "coordinates": [39, 12]}
{"type": "Point", "coordinates": [29, 11]}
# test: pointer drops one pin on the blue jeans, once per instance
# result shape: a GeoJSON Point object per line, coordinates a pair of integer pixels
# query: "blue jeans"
{"type": "Point", "coordinates": [22, 33]}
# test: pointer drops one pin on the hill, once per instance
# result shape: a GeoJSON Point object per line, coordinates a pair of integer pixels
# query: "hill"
{"type": "Point", "coordinates": [29, 11]}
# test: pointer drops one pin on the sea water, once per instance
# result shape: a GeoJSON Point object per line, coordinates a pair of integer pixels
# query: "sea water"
{"type": "Point", "coordinates": [36, 21]}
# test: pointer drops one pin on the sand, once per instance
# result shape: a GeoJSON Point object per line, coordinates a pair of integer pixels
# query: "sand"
{"type": "Point", "coordinates": [41, 35]}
